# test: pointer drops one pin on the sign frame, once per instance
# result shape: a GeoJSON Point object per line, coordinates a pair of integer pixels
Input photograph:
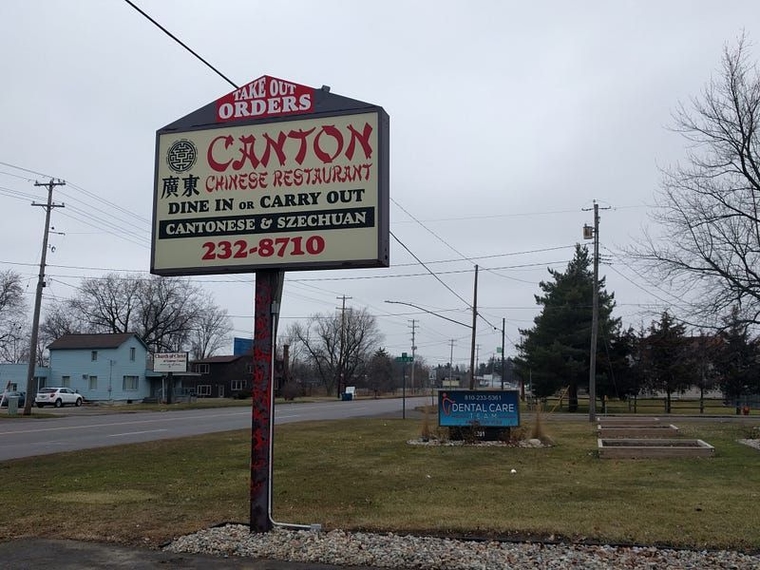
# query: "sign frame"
{"type": "Point", "coordinates": [166, 362]}
{"type": "Point", "coordinates": [468, 408]}
{"type": "Point", "coordinates": [327, 107]}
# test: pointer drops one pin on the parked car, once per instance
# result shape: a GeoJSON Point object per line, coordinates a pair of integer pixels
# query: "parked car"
{"type": "Point", "coordinates": [20, 395]}
{"type": "Point", "coordinates": [58, 397]}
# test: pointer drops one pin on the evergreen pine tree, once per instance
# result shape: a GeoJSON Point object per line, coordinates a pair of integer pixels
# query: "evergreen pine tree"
{"type": "Point", "coordinates": [554, 354]}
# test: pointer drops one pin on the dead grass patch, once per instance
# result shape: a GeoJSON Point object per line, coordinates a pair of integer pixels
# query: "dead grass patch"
{"type": "Point", "coordinates": [362, 474]}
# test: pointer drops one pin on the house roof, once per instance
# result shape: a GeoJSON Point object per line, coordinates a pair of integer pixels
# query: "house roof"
{"type": "Point", "coordinates": [218, 359]}
{"type": "Point", "coordinates": [91, 341]}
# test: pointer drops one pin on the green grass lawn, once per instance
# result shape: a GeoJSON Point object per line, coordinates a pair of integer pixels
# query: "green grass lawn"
{"type": "Point", "coordinates": [361, 474]}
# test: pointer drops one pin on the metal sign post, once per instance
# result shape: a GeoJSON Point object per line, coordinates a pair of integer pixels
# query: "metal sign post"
{"type": "Point", "coordinates": [404, 358]}
{"type": "Point", "coordinates": [267, 299]}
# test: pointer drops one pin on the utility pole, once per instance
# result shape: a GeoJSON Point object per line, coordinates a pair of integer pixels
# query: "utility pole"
{"type": "Point", "coordinates": [411, 378]}
{"type": "Point", "coordinates": [341, 362]}
{"type": "Point", "coordinates": [588, 233]}
{"type": "Point", "coordinates": [474, 326]}
{"type": "Point", "coordinates": [451, 361]}
{"type": "Point", "coordinates": [31, 384]}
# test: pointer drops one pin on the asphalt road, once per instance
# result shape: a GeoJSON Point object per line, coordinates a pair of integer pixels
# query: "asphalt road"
{"type": "Point", "coordinates": [83, 428]}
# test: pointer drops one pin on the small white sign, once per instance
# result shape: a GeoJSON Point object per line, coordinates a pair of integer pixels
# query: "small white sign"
{"type": "Point", "coordinates": [170, 362]}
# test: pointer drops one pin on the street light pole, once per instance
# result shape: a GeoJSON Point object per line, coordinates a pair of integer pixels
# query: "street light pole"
{"type": "Point", "coordinates": [474, 327]}
{"type": "Point", "coordinates": [503, 325]}
{"type": "Point", "coordinates": [451, 362]}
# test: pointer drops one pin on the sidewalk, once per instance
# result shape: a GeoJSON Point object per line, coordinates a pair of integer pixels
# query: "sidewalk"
{"type": "Point", "coordinates": [38, 553]}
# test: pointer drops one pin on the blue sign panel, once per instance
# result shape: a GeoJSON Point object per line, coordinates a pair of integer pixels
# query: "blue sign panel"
{"type": "Point", "coordinates": [486, 408]}
{"type": "Point", "coordinates": [241, 346]}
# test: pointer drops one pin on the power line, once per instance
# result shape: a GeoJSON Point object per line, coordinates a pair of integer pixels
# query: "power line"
{"type": "Point", "coordinates": [429, 270]}
{"type": "Point", "coordinates": [26, 170]}
{"type": "Point", "coordinates": [112, 205]}
{"type": "Point", "coordinates": [491, 256]}
{"type": "Point", "coordinates": [120, 228]}
{"type": "Point", "coordinates": [439, 238]}
{"type": "Point", "coordinates": [184, 45]}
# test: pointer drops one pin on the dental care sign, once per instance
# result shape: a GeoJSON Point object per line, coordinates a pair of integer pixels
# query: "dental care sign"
{"type": "Point", "coordinates": [484, 408]}
{"type": "Point", "coordinates": [272, 175]}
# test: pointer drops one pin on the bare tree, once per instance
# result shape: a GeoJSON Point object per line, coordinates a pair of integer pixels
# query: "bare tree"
{"type": "Point", "coordinates": [339, 347]}
{"type": "Point", "coordinates": [59, 320]}
{"type": "Point", "coordinates": [707, 208]}
{"type": "Point", "coordinates": [13, 327]}
{"type": "Point", "coordinates": [211, 329]}
{"type": "Point", "coordinates": [168, 309]}
{"type": "Point", "coordinates": [108, 304]}
{"type": "Point", "coordinates": [168, 313]}
{"type": "Point", "coordinates": [14, 342]}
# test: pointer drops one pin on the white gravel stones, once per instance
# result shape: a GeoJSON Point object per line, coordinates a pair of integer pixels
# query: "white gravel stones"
{"type": "Point", "coordinates": [422, 553]}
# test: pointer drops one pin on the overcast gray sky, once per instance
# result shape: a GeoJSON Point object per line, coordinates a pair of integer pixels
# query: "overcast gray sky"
{"type": "Point", "coordinates": [507, 119]}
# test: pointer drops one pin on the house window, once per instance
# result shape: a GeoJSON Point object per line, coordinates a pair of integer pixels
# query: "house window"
{"type": "Point", "coordinates": [130, 383]}
{"type": "Point", "coordinates": [249, 368]}
{"type": "Point", "coordinates": [220, 390]}
{"type": "Point", "coordinates": [202, 368]}
{"type": "Point", "coordinates": [66, 381]}
{"type": "Point", "coordinates": [132, 353]}
{"type": "Point", "coordinates": [93, 382]}
{"type": "Point", "coordinates": [238, 385]}
{"type": "Point", "coordinates": [204, 390]}
{"type": "Point", "coordinates": [94, 355]}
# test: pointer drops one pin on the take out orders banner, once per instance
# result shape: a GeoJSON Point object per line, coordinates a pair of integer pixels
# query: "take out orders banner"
{"type": "Point", "coordinates": [296, 194]}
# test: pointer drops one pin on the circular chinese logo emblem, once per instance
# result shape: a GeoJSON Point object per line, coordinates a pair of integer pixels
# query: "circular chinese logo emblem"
{"type": "Point", "coordinates": [181, 155]}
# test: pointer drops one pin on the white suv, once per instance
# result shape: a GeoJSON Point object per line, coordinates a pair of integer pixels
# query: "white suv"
{"type": "Point", "coordinates": [57, 397]}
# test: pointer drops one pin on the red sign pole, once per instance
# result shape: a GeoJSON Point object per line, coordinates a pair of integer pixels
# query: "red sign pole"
{"type": "Point", "coordinates": [267, 299]}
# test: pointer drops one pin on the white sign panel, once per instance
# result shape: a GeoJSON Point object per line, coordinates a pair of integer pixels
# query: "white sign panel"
{"type": "Point", "coordinates": [297, 194]}
{"type": "Point", "coordinates": [170, 362]}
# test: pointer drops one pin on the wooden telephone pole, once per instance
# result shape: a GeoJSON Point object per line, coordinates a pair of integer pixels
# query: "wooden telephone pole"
{"type": "Point", "coordinates": [589, 233]}
{"type": "Point", "coordinates": [31, 384]}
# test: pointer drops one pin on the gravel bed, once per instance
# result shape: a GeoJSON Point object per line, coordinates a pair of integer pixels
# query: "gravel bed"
{"type": "Point", "coordinates": [422, 553]}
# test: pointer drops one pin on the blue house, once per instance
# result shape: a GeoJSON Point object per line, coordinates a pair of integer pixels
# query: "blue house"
{"type": "Point", "coordinates": [13, 376]}
{"type": "Point", "coordinates": [102, 366]}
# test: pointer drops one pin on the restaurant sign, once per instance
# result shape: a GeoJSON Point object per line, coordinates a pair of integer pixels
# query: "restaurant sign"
{"type": "Point", "coordinates": [272, 175]}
